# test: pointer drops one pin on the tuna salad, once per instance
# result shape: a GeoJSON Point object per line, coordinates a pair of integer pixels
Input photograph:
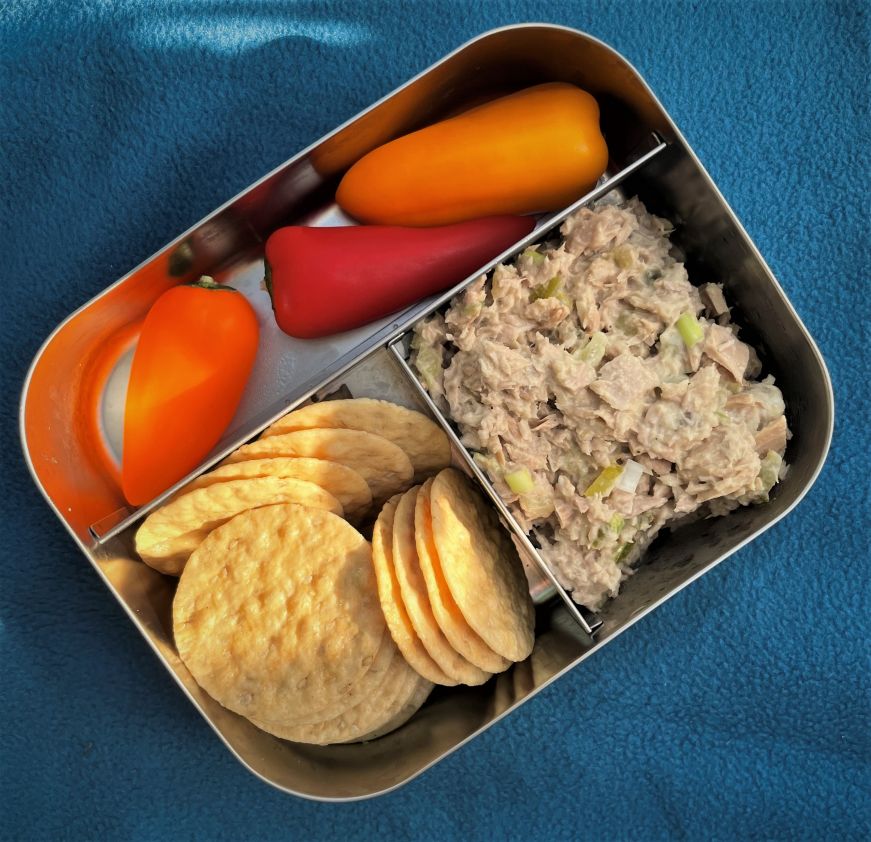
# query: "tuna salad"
{"type": "Point", "coordinates": [603, 394]}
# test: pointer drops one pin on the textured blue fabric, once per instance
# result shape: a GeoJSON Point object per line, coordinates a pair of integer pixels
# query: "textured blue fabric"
{"type": "Point", "coordinates": [122, 123]}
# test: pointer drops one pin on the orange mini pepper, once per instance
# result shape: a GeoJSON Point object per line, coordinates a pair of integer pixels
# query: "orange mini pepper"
{"type": "Point", "coordinates": [533, 151]}
{"type": "Point", "coordinates": [190, 367]}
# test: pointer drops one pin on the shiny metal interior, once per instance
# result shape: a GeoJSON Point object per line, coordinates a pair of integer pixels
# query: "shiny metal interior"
{"type": "Point", "coordinates": [71, 400]}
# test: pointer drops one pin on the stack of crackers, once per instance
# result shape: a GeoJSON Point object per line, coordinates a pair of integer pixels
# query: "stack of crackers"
{"type": "Point", "coordinates": [287, 615]}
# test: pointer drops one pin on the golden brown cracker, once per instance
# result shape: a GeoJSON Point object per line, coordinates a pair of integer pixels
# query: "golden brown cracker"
{"type": "Point", "coordinates": [344, 483]}
{"type": "Point", "coordinates": [481, 566]}
{"type": "Point", "coordinates": [170, 534]}
{"type": "Point", "coordinates": [277, 614]}
{"type": "Point", "coordinates": [395, 613]}
{"type": "Point", "coordinates": [421, 438]}
{"type": "Point", "coordinates": [416, 699]}
{"type": "Point", "coordinates": [383, 465]}
{"type": "Point", "coordinates": [372, 712]}
{"type": "Point", "coordinates": [416, 600]}
{"type": "Point", "coordinates": [447, 614]}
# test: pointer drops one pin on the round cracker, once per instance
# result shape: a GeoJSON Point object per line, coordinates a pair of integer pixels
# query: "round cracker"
{"type": "Point", "coordinates": [412, 586]}
{"type": "Point", "coordinates": [398, 687]}
{"type": "Point", "coordinates": [481, 566]}
{"type": "Point", "coordinates": [383, 465]}
{"type": "Point", "coordinates": [277, 614]}
{"type": "Point", "coordinates": [421, 438]}
{"type": "Point", "coordinates": [458, 632]}
{"type": "Point", "coordinates": [398, 622]}
{"type": "Point", "coordinates": [170, 534]}
{"type": "Point", "coordinates": [368, 683]}
{"type": "Point", "coordinates": [344, 483]}
{"type": "Point", "coordinates": [414, 704]}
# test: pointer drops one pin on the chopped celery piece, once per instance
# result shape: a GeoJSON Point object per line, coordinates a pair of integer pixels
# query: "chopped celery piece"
{"type": "Point", "coordinates": [547, 290]}
{"type": "Point", "coordinates": [690, 330]}
{"type": "Point", "coordinates": [623, 551]}
{"type": "Point", "coordinates": [622, 256]}
{"type": "Point", "coordinates": [769, 471]}
{"type": "Point", "coordinates": [534, 255]}
{"type": "Point", "coordinates": [670, 341]}
{"type": "Point", "coordinates": [605, 482]}
{"type": "Point", "coordinates": [520, 481]}
{"type": "Point", "coordinates": [593, 351]}
{"type": "Point", "coordinates": [429, 366]}
{"type": "Point", "coordinates": [617, 521]}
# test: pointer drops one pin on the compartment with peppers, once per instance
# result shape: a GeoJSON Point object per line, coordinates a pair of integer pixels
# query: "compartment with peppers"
{"type": "Point", "coordinates": [533, 151]}
{"type": "Point", "coordinates": [441, 202]}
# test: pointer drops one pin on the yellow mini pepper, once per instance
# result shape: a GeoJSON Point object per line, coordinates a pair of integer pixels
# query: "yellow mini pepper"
{"type": "Point", "coordinates": [533, 151]}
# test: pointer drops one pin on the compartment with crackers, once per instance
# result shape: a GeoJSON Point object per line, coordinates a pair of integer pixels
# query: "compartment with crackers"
{"type": "Point", "coordinates": [287, 614]}
{"type": "Point", "coordinates": [339, 580]}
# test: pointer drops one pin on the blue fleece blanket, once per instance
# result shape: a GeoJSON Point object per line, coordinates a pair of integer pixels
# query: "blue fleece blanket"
{"type": "Point", "coordinates": [122, 123]}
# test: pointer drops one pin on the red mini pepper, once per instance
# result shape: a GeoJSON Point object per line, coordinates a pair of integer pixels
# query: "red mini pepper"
{"type": "Point", "coordinates": [328, 280]}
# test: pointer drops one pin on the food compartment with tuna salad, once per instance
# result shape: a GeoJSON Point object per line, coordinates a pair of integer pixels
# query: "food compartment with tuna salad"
{"type": "Point", "coordinates": [618, 390]}
{"type": "Point", "coordinates": [370, 513]}
{"type": "Point", "coordinates": [616, 402]}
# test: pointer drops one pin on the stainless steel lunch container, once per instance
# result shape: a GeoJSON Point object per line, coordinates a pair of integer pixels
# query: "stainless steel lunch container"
{"type": "Point", "coordinates": [73, 396]}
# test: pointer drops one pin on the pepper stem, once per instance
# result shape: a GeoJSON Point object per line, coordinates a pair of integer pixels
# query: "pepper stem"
{"type": "Point", "coordinates": [208, 282]}
{"type": "Point", "coordinates": [267, 282]}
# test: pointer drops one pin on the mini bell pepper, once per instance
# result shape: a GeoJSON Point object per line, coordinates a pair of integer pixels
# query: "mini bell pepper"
{"type": "Point", "coordinates": [193, 359]}
{"type": "Point", "coordinates": [328, 280]}
{"type": "Point", "coordinates": [536, 150]}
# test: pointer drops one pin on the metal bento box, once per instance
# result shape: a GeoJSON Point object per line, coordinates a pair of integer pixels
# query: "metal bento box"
{"type": "Point", "coordinates": [73, 397]}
